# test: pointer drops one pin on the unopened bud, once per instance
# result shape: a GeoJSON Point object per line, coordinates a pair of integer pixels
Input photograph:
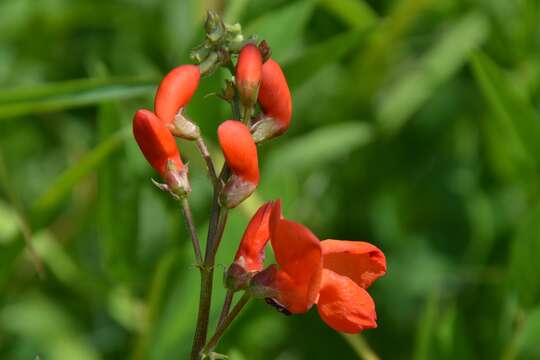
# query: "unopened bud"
{"type": "Point", "coordinates": [248, 74]}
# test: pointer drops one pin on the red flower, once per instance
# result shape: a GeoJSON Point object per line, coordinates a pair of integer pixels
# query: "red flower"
{"type": "Point", "coordinates": [173, 94]}
{"type": "Point", "coordinates": [159, 148]}
{"type": "Point", "coordinates": [331, 273]}
{"type": "Point", "coordinates": [275, 101]}
{"type": "Point", "coordinates": [248, 74]}
{"type": "Point", "coordinates": [241, 156]}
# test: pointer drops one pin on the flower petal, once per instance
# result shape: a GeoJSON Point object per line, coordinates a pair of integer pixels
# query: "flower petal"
{"type": "Point", "coordinates": [297, 295]}
{"type": "Point", "coordinates": [175, 91]}
{"type": "Point", "coordinates": [155, 141]}
{"type": "Point", "coordinates": [297, 250]}
{"type": "Point", "coordinates": [250, 254]}
{"type": "Point", "coordinates": [344, 305]}
{"type": "Point", "coordinates": [358, 260]}
{"type": "Point", "coordinates": [239, 149]}
{"type": "Point", "coordinates": [299, 256]}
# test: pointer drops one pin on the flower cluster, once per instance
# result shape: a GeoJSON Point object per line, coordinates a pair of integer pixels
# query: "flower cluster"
{"type": "Point", "coordinates": [334, 274]}
{"type": "Point", "coordinates": [256, 82]}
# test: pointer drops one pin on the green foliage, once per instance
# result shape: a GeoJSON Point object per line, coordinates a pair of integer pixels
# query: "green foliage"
{"type": "Point", "coordinates": [415, 127]}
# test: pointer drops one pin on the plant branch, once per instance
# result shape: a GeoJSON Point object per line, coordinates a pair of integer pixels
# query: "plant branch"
{"type": "Point", "coordinates": [186, 209]}
{"type": "Point", "coordinates": [213, 342]}
{"type": "Point", "coordinates": [205, 302]}
{"type": "Point", "coordinates": [226, 307]}
{"type": "Point", "coordinates": [203, 149]}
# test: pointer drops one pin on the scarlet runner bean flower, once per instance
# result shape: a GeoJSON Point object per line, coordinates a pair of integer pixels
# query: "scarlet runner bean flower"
{"type": "Point", "coordinates": [173, 94]}
{"type": "Point", "coordinates": [275, 101]}
{"type": "Point", "coordinates": [240, 154]}
{"type": "Point", "coordinates": [334, 274]}
{"type": "Point", "coordinates": [248, 75]}
{"type": "Point", "coordinates": [159, 148]}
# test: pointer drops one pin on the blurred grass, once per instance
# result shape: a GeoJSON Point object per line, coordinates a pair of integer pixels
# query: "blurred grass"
{"type": "Point", "coordinates": [415, 127]}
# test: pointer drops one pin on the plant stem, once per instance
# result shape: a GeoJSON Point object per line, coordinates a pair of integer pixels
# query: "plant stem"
{"type": "Point", "coordinates": [186, 209]}
{"type": "Point", "coordinates": [226, 307]}
{"type": "Point", "coordinates": [218, 218]}
{"type": "Point", "coordinates": [205, 302]}
{"type": "Point", "coordinates": [213, 342]}
{"type": "Point", "coordinates": [216, 226]}
{"type": "Point", "coordinates": [203, 149]}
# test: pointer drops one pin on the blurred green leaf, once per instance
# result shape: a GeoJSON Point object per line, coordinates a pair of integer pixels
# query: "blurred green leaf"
{"type": "Point", "coordinates": [355, 13]}
{"type": "Point", "coordinates": [70, 94]}
{"type": "Point", "coordinates": [314, 58]}
{"type": "Point", "coordinates": [89, 162]}
{"type": "Point", "coordinates": [527, 344]}
{"type": "Point", "coordinates": [319, 147]}
{"type": "Point", "coordinates": [371, 64]}
{"type": "Point", "coordinates": [427, 327]}
{"type": "Point", "coordinates": [283, 28]}
{"type": "Point", "coordinates": [234, 10]}
{"type": "Point", "coordinates": [32, 318]}
{"type": "Point", "coordinates": [508, 104]}
{"type": "Point", "coordinates": [411, 90]}
{"type": "Point", "coordinates": [524, 269]}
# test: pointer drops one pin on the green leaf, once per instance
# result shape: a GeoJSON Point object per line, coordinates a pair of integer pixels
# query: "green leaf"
{"type": "Point", "coordinates": [355, 13]}
{"type": "Point", "coordinates": [70, 94]}
{"type": "Point", "coordinates": [313, 59]}
{"type": "Point", "coordinates": [89, 162]}
{"type": "Point", "coordinates": [527, 344]}
{"type": "Point", "coordinates": [524, 267]}
{"type": "Point", "coordinates": [427, 327]}
{"type": "Point", "coordinates": [283, 27]}
{"type": "Point", "coordinates": [318, 147]}
{"type": "Point", "coordinates": [436, 67]}
{"type": "Point", "coordinates": [31, 318]}
{"type": "Point", "coordinates": [234, 10]}
{"type": "Point", "coordinates": [509, 105]}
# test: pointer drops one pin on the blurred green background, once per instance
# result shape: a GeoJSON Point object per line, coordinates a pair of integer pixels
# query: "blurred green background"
{"type": "Point", "coordinates": [415, 127]}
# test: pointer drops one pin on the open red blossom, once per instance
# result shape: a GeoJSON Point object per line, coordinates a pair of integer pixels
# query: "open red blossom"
{"type": "Point", "coordinates": [175, 91]}
{"type": "Point", "coordinates": [334, 274]}
{"type": "Point", "coordinates": [156, 142]}
{"type": "Point", "coordinates": [248, 74]}
{"type": "Point", "coordinates": [240, 154]}
{"type": "Point", "coordinates": [275, 101]}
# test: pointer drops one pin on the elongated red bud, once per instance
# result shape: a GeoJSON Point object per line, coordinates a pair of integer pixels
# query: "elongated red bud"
{"type": "Point", "coordinates": [173, 94]}
{"type": "Point", "coordinates": [159, 148]}
{"type": "Point", "coordinates": [276, 104]}
{"type": "Point", "coordinates": [249, 258]}
{"type": "Point", "coordinates": [241, 155]}
{"type": "Point", "coordinates": [248, 74]}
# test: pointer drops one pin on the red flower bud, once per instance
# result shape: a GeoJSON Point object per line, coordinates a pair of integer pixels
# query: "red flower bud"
{"type": "Point", "coordinates": [276, 104]}
{"type": "Point", "coordinates": [159, 148]}
{"type": "Point", "coordinates": [248, 74]}
{"type": "Point", "coordinates": [241, 156]}
{"type": "Point", "coordinates": [173, 94]}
